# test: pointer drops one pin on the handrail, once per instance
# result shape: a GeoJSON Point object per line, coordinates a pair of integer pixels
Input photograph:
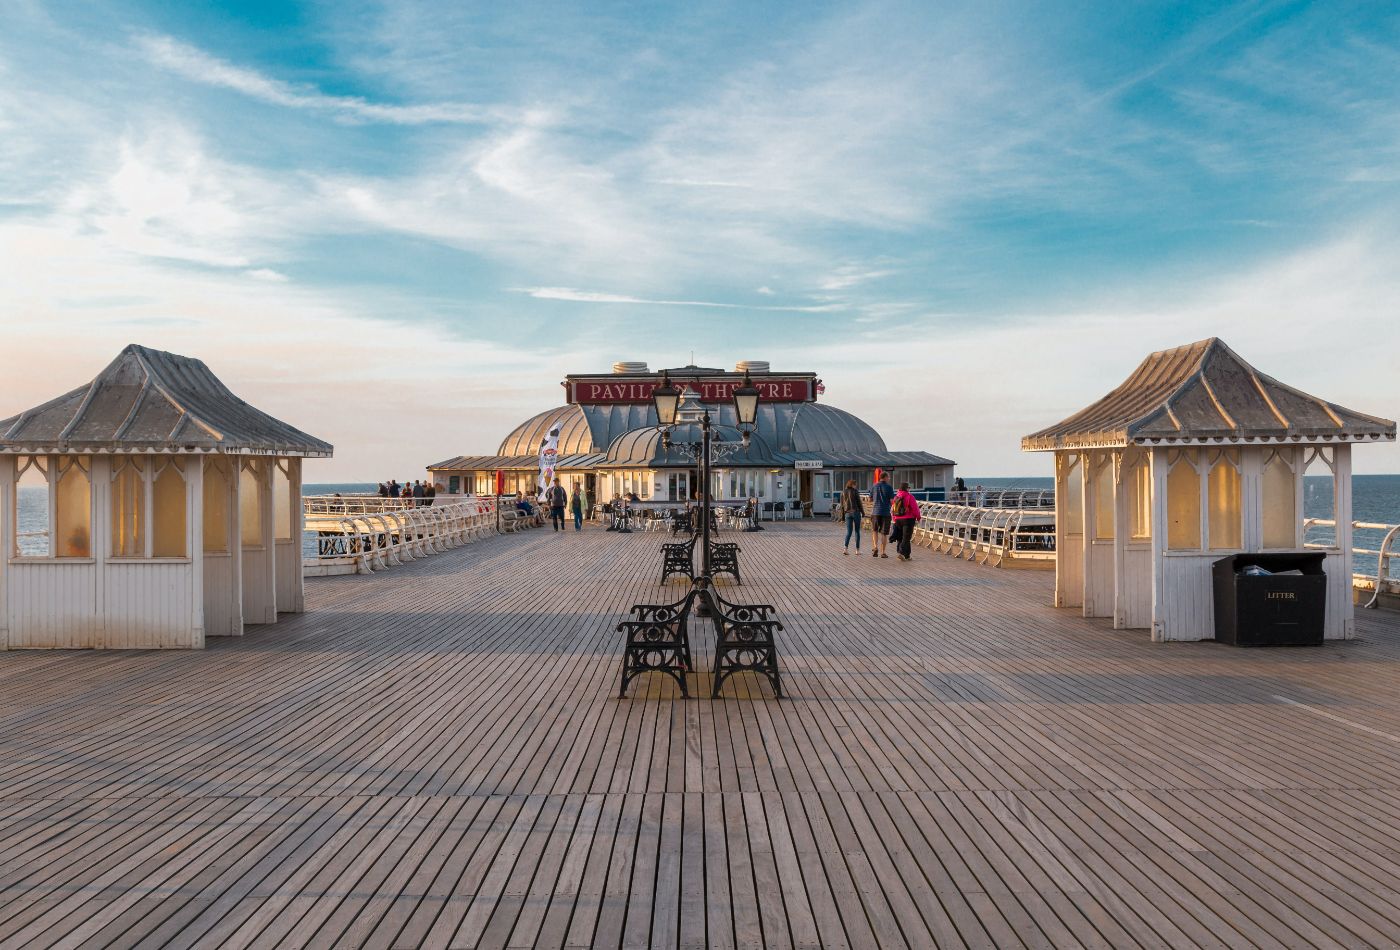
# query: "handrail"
{"type": "Point", "coordinates": [357, 503]}
{"type": "Point", "coordinates": [983, 534]}
{"type": "Point", "coordinates": [1384, 554]}
{"type": "Point", "coordinates": [378, 540]}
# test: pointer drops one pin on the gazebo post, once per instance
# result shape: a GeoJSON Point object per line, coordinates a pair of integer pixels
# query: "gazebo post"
{"type": "Point", "coordinates": [8, 518]}
{"type": "Point", "coordinates": [1121, 591]}
{"type": "Point", "coordinates": [1344, 608]}
{"type": "Point", "coordinates": [1158, 461]}
{"type": "Point", "coordinates": [290, 587]}
{"type": "Point", "coordinates": [194, 541]}
{"type": "Point", "coordinates": [1069, 529]}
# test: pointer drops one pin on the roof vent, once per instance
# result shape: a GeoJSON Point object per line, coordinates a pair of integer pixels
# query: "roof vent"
{"type": "Point", "coordinates": [624, 368]}
{"type": "Point", "coordinates": [751, 366]}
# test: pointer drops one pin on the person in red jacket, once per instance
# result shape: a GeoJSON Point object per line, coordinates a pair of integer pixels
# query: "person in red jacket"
{"type": "Point", "coordinates": [904, 511]}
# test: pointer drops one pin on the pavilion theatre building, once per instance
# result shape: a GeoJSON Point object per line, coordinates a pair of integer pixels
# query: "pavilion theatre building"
{"type": "Point", "coordinates": [801, 453]}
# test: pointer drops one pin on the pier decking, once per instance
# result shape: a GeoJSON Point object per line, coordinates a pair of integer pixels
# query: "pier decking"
{"type": "Point", "coordinates": [435, 755]}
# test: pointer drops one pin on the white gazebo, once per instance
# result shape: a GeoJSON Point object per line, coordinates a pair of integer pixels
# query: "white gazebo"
{"type": "Point", "coordinates": [1195, 456]}
{"type": "Point", "coordinates": [149, 508]}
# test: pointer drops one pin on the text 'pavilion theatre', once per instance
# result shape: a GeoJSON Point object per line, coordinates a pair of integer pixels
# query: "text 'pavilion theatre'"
{"type": "Point", "coordinates": [802, 451]}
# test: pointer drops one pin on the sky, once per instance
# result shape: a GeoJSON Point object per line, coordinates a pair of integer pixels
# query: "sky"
{"type": "Point", "coordinates": [399, 225]}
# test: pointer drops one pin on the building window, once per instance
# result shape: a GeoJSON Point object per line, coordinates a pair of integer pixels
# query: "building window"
{"type": "Point", "coordinates": [1139, 485]}
{"type": "Point", "coordinates": [73, 508]}
{"type": "Point", "coordinates": [250, 503]}
{"type": "Point", "coordinates": [282, 500]}
{"type": "Point", "coordinates": [32, 507]}
{"type": "Point", "coordinates": [216, 505]}
{"type": "Point", "coordinates": [1226, 512]}
{"type": "Point", "coordinates": [129, 508]}
{"type": "Point", "coordinates": [1073, 506]}
{"type": "Point", "coordinates": [1320, 496]}
{"type": "Point", "coordinates": [169, 510]}
{"type": "Point", "coordinates": [1280, 499]}
{"type": "Point", "coordinates": [1101, 474]}
{"type": "Point", "coordinates": [1183, 501]}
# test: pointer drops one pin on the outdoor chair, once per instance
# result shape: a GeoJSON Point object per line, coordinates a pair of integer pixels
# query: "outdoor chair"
{"type": "Point", "coordinates": [678, 557]}
{"type": "Point", "coordinates": [724, 559]}
{"type": "Point", "coordinates": [767, 510]}
{"type": "Point", "coordinates": [746, 640]}
{"type": "Point", "coordinates": [658, 641]}
{"type": "Point", "coordinates": [680, 521]}
{"type": "Point", "coordinates": [780, 510]}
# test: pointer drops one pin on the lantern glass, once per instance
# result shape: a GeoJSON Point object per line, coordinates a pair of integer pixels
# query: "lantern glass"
{"type": "Point", "coordinates": [667, 398]}
{"type": "Point", "coordinates": [746, 403]}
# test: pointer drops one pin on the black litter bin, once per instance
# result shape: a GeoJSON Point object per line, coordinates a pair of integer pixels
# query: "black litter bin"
{"type": "Point", "coordinates": [1257, 609]}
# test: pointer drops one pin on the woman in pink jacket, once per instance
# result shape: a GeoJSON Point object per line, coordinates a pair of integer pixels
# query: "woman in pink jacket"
{"type": "Point", "coordinates": [904, 511]}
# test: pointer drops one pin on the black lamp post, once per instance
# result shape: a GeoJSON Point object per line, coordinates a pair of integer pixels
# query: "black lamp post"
{"type": "Point", "coordinates": [667, 399]}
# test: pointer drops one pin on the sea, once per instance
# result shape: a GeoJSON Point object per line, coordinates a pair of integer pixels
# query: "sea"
{"type": "Point", "coordinates": [1375, 499]}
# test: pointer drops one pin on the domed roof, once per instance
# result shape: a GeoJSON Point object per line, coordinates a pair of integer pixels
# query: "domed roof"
{"type": "Point", "coordinates": [645, 448]}
{"type": "Point", "coordinates": [808, 427]}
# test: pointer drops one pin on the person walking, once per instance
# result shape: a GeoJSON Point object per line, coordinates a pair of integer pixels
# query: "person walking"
{"type": "Point", "coordinates": [852, 510]}
{"type": "Point", "coordinates": [905, 512]}
{"type": "Point", "coordinates": [557, 499]}
{"type": "Point", "coordinates": [578, 504]}
{"type": "Point", "coordinates": [881, 497]}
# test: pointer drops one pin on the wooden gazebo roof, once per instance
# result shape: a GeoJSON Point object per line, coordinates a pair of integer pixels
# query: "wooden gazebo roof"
{"type": "Point", "coordinates": [151, 401]}
{"type": "Point", "coordinates": [1205, 393]}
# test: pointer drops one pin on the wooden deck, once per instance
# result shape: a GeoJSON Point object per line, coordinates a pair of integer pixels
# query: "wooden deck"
{"type": "Point", "coordinates": [435, 756]}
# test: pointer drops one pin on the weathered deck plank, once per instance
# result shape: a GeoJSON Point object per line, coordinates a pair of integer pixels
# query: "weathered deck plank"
{"type": "Point", "coordinates": [436, 755]}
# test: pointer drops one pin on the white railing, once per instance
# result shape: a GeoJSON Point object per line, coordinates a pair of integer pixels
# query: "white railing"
{"type": "Point", "coordinates": [369, 502]}
{"type": "Point", "coordinates": [986, 535]}
{"type": "Point", "coordinates": [1004, 497]}
{"type": "Point", "coordinates": [1383, 581]}
{"type": "Point", "coordinates": [377, 540]}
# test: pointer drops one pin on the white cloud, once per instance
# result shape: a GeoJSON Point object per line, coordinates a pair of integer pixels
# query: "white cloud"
{"type": "Point", "coordinates": [393, 397]}
{"type": "Point", "coordinates": [196, 65]}
{"type": "Point", "coordinates": [268, 274]}
{"type": "Point", "coordinates": [593, 296]}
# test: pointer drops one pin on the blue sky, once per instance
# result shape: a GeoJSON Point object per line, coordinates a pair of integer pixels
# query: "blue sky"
{"type": "Point", "coordinates": [399, 224]}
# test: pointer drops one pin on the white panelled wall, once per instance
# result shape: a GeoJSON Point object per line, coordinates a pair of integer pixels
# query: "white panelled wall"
{"type": "Point", "coordinates": [118, 594]}
{"type": "Point", "coordinates": [1139, 528]}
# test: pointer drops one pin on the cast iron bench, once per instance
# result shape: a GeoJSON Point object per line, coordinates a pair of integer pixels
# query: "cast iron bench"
{"type": "Point", "coordinates": [746, 640]}
{"type": "Point", "coordinates": [724, 559]}
{"type": "Point", "coordinates": [678, 557]}
{"type": "Point", "coordinates": [658, 641]}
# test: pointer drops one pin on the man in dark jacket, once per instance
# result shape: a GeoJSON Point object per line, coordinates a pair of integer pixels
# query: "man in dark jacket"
{"type": "Point", "coordinates": [557, 499]}
{"type": "Point", "coordinates": [880, 498]}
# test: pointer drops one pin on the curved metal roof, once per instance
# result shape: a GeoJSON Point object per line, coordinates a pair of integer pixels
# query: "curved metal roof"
{"type": "Point", "coordinates": [643, 448]}
{"type": "Point", "coordinates": [626, 436]}
{"type": "Point", "coordinates": [1205, 391]}
{"type": "Point", "coordinates": [153, 401]}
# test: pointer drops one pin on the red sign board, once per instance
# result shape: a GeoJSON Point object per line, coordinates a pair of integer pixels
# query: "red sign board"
{"type": "Point", "coordinates": [622, 391]}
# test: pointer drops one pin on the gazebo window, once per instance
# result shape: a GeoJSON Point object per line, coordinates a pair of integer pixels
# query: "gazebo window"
{"type": "Point", "coordinates": [169, 507]}
{"type": "Point", "coordinates": [1226, 510]}
{"type": "Point", "coordinates": [1139, 485]}
{"type": "Point", "coordinates": [129, 508]}
{"type": "Point", "coordinates": [1320, 496]}
{"type": "Point", "coordinates": [250, 503]}
{"type": "Point", "coordinates": [33, 495]}
{"type": "Point", "coordinates": [216, 492]}
{"type": "Point", "coordinates": [1074, 494]}
{"type": "Point", "coordinates": [282, 499]}
{"type": "Point", "coordinates": [1183, 501]}
{"type": "Point", "coordinates": [73, 508]}
{"type": "Point", "coordinates": [1101, 473]}
{"type": "Point", "coordinates": [1280, 500]}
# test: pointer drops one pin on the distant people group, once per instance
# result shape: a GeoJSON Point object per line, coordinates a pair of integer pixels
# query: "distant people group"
{"type": "Point", "coordinates": [893, 515]}
{"type": "Point", "coordinates": [419, 493]}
